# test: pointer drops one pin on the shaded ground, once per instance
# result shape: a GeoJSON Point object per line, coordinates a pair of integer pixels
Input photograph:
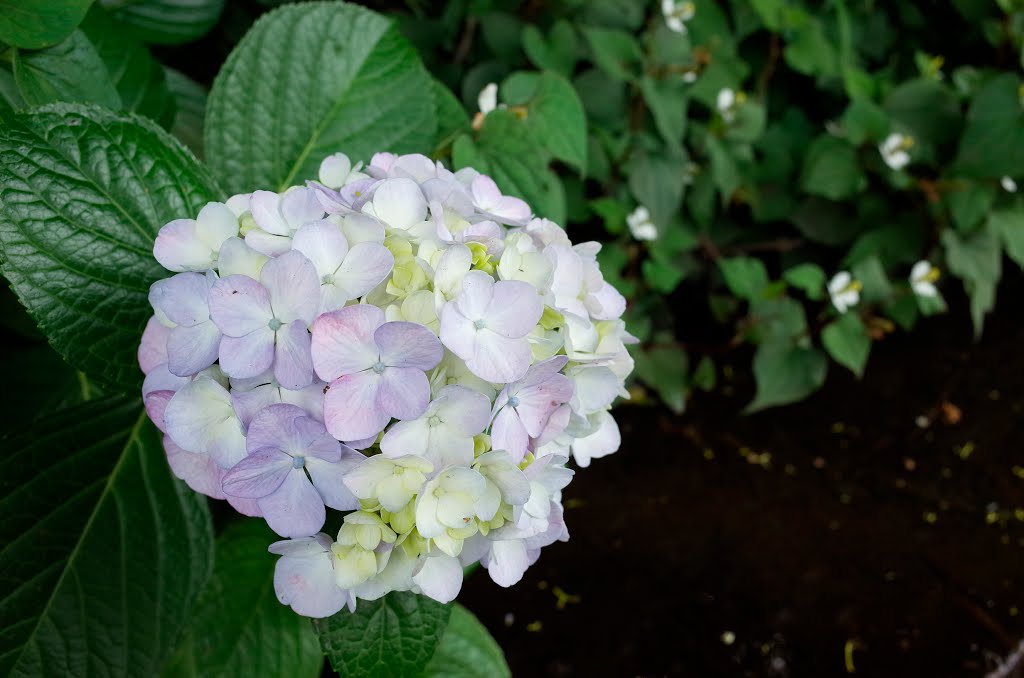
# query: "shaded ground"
{"type": "Point", "coordinates": [834, 535]}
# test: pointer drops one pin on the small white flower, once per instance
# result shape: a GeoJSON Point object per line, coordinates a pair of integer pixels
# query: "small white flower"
{"type": "Point", "coordinates": [337, 169]}
{"type": "Point", "coordinates": [1008, 184]}
{"type": "Point", "coordinates": [844, 291]}
{"type": "Point", "coordinates": [640, 224]}
{"type": "Point", "coordinates": [488, 98]}
{"type": "Point", "coordinates": [895, 149]}
{"type": "Point", "coordinates": [922, 279]}
{"type": "Point", "coordinates": [677, 14]}
{"type": "Point", "coordinates": [727, 101]}
{"type": "Point", "coordinates": [690, 76]}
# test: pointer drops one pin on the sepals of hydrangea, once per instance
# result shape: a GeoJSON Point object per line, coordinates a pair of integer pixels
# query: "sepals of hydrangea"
{"type": "Point", "coordinates": [420, 315]}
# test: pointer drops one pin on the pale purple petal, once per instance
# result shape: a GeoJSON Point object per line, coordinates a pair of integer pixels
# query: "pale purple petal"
{"type": "Point", "coordinates": [366, 266]}
{"type": "Point", "coordinates": [406, 344]}
{"type": "Point", "coordinates": [457, 331]}
{"type": "Point", "coordinates": [605, 304]}
{"type": "Point", "coordinates": [328, 479]}
{"type": "Point", "coordinates": [215, 224]}
{"type": "Point", "coordinates": [515, 309]}
{"type": "Point", "coordinates": [343, 341]}
{"type": "Point", "coordinates": [300, 206]}
{"type": "Point", "coordinates": [266, 211]}
{"type": "Point", "coordinates": [239, 305]}
{"type": "Point", "coordinates": [247, 507]}
{"type": "Point", "coordinates": [274, 427]}
{"type": "Point", "coordinates": [155, 403]}
{"type": "Point", "coordinates": [399, 203]}
{"type": "Point", "coordinates": [295, 509]}
{"type": "Point", "coordinates": [192, 349]}
{"type": "Point", "coordinates": [404, 392]}
{"type": "Point", "coordinates": [258, 474]}
{"type": "Point", "coordinates": [440, 578]}
{"type": "Point", "coordinates": [538, 402]}
{"type": "Point", "coordinates": [198, 471]}
{"type": "Point", "coordinates": [317, 442]}
{"type": "Point", "coordinates": [477, 292]}
{"type": "Point", "coordinates": [153, 348]}
{"type": "Point", "coordinates": [322, 243]}
{"type": "Point", "coordinates": [294, 287]}
{"type": "Point", "coordinates": [466, 410]}
{"type": "Point", "coordinates": [406, 437]}
{"type": "Point", "coordinates": [307, 584]}
{"type": "Point", "coordinates": [497, 359]}
{"type": "Point", "coordinates": [267, 244]}
{"type": "Point", "coordinates": [506, 209]}
{"type": "Point", "coordinates": [293, 364]}
{"type": "Point", "coordinates": [350, 406]}
{"type": "Point", "coordinates": [507, 561]}
{"type": "Point", "coordinates": [183, 298]}
{"type": "Point", "coordinates": [247, 356]}
{"type": "Point", "coordinates": [178, 247]}
{"type": "Point", "coordinates": [238, 258]}
{"type": "Point", "coordinates": [509, 434]}
{"type": "Point", "coordinates": [248, 403]}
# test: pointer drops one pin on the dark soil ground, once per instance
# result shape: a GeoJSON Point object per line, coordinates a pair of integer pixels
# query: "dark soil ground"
{"type": "Point", "coordinates": [876, 528]}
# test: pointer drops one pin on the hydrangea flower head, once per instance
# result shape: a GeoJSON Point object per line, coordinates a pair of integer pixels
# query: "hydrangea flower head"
{"type": "Point", "coordinates": [465, 347]}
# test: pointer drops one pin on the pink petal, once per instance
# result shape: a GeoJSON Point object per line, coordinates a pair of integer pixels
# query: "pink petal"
{"type": "Point", "coordinates": [266, 211]}
{"type": "Point", "coordinates": [300, 206]}
{"type": "Point", "coordinates": [308, 585]}
{"type": "Point", "coordinates": [343, 341]}
{"type": "Point", "coordinates": [156, 403]}
{"type": "Point", "coordinates": [538, 402]}
{"type": "Point", "coordinates": [404, 392]}
{"type": "Point", "coordinates": [295, 509]}
{"type": "Point", "coordinates": [239, 305]}
{"type": "Point", "coordinates": [294, 287]}
{"type": "Point", "coordinates": [258, 474]}
{"type": "Point", "coordinates": [515, 309]}
{"type": "Point", "coordinates": [293, 364]}
{"type": "Point", "coordinates": [406, 344]}
{"type": "Point", "coordinates": [247, 356]}
{"type": "Point", "coordinates": [350, 406]}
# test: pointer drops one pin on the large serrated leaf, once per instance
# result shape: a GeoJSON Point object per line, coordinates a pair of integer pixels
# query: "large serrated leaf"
{"type": "Point", "coordinates": [104, 551]}
{"type": "Point", "coordinates": [393, 636]}
{"type": "Point", "coordinates": [139, 78]}
{"type": "Point", "coordinates": [83, 192]}
{"type": "Point", "coordinates": [32, 24]}
{"type": "Point", "coordinates": [167, 22]}
{"type": "Point", "coordinates": [240, 628]}
{"type": "Point", "coordinates": [467, 650]}
{"type": "Point", "coordinates": [313, 79]}
{"type": "Point", "coordinates": [71, 70]}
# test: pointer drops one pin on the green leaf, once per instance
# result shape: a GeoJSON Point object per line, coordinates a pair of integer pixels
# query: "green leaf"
{"type": "Point", "coordinates": [166, 22]}
{"type": "Point", "coordinates": [69, 71]}
{"type": "Point", "coordinates": [105, 552]}
{"type": "Point", "coordinates": [786, 373]}
{"type": "Point", "coordinates": [656, 181]}
{"type": "Point", "coordinates": [847, 341]}
{"type": "Point", "coordinates": [661, 276]}
{"type": "Point", "coordinates": [239, 627]}
{"type": "Point", "coordinates": [467, 650]}
{"type": "Point", "coordinates": [969, 202]}
{"type": "Point", "coordinates": [831, 169]}
{"type": "Point", "coordinates": [507, 152]}
{"type": "Point", "coordinates": [33, 24]}
{"type": "Point", "coordinates": [139, 78]}
{"type": "Point", "coordinates": [746, 277]}
{"type": "Point", "coordinates": [927, 109]}
{"type": "Point", "coordinates": [993, 143]}
{"type": "Point", "coordinates": [557, 52]}
{"type": "Point", "coordinates": [664, 369]}
{"type": "Point", "coordinates": [396, 635]}
{"type": "Point", "coordinates": [554, 114]}
{"type": "Point", "coordinates": [83, 192]}
{"type": "Point", "coordinates": [864, 121]}
{"type": "Point", "coordinates": [977, 260]}
{"type": "Point", "coordinates": [190, 105]}
{"type": "Point", "coordinates": [666, 98]}
{"type": "Point", "coordinates": [309, 80]}
{"type": "Point", "coordinates": [1008, 224]}
{"type": "Point", "coordinates": [44, 384]}
{"type": "Point", "coordinates": [808, 278]}
{"type": "Point", "coordinates": [809, 50]}
{"type": "Point", "coordinates": [748, 124]}
{"type": "Point", "coordinates": [724, 169]}
{"type": "Point", "coordinates": [704, 375]}
{"type": "Point", "coordinates": [452, 119]}
{"type": "Point", "coordinates": [615, 52]}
